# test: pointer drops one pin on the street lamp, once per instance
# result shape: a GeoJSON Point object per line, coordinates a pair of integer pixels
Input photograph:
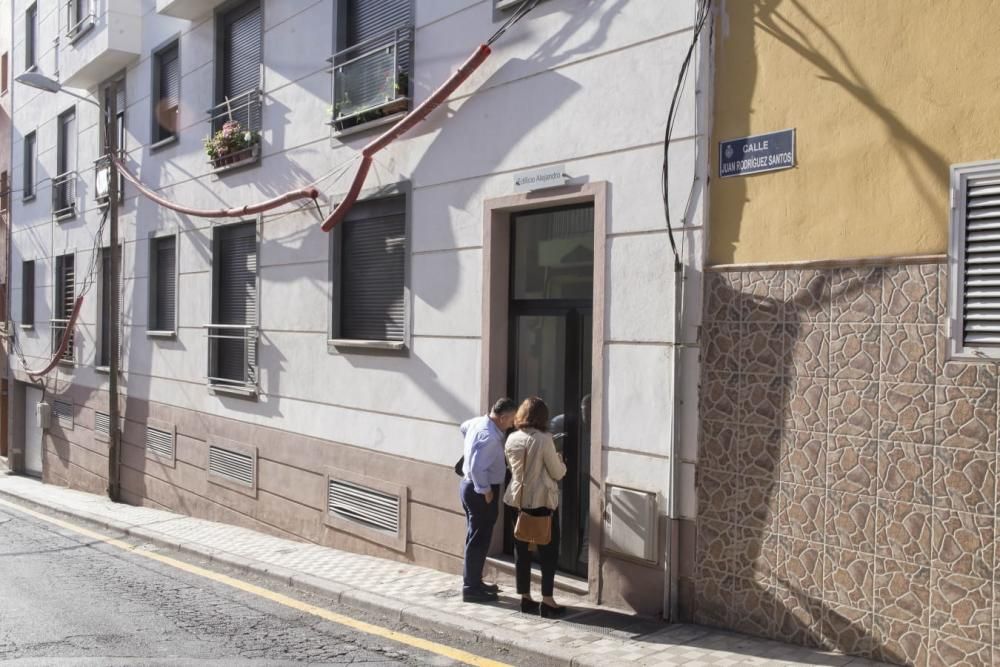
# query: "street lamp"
{"type": "Point", "coordinates": [42, 82]}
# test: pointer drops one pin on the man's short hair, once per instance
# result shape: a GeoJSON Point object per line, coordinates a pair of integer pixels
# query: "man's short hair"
{"type": "Point", "coordinates": [503, 406]}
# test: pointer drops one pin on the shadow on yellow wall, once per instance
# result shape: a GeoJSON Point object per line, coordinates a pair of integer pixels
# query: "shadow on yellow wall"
{"type": "Point", "coordinates": [884, 97]}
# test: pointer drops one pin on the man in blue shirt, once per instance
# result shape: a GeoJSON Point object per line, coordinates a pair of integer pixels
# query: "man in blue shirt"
{"type": "Point", "coordinates": [483, 472]}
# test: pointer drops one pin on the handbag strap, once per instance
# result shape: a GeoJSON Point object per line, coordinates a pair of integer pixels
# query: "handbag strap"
{"type": "Point", "coordinates": [524, 462]}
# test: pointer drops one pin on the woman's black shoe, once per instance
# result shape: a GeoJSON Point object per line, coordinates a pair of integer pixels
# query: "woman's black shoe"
{"type": "Point", "coordinates": [528, 606]}
{"type": "Point", "coordinates": [549, 611]}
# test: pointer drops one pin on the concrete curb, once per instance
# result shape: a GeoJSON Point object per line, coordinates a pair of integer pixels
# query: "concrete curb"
{"type": "Point", "coordinates": [418, 616]}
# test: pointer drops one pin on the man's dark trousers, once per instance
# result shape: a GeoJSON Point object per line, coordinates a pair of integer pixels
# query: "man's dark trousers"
{"type": "Point", "coordinates": [480, 517]}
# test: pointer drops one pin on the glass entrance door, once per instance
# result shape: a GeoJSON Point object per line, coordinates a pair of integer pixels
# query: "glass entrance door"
{"type": "Point", "coordinates": [551, 349]}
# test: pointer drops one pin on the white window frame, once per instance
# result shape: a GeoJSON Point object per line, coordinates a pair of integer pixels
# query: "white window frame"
{"type": "Point", "coordinates": [956, 347]}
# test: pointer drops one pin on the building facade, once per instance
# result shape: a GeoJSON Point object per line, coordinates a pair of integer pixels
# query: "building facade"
{"type": "Point", "coordinates": [308, 384]}
{"type": "Point", "coordinates": [848, 458]}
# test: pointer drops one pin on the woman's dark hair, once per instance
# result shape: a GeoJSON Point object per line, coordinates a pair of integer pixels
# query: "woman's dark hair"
{"type": "Point", "coordinates": [533, 413]}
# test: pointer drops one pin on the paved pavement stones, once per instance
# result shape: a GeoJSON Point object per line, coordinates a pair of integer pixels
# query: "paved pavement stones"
{"type": "Point", "coordinates": [426, 598]}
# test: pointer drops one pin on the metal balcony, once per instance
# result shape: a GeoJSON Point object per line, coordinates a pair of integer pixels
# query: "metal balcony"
{"type": "Point", "coordinates": [247, 110]}
{"type": "Point", "coordinates": [232, 357]}
{"type": "Point", "coordinates": [371, 79]}
{"type": "Point", "coordinates": [64, 196]}
{"type": "Point", "coordinates": [58, 327]}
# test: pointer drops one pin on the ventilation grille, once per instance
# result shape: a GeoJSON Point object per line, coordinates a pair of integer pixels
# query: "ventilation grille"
{"type": "Point", "coordinates": [160, 442]}
{"type": "Point", "coordinates": [981, 318]}
{"type": "Point", "coordinates": [102, 423]}
{"type": "Point", "coordinates": [231, 465]}
{"type": "Point", "coordinates": [363, 505]}
{"type": "Point", "coordinates": [63, 412]}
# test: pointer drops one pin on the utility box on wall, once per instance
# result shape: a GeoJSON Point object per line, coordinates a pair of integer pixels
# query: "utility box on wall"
{"type": "Point", "coordinates": [630, 525]}
{"type": "Point", "coordinates": [43, 414]}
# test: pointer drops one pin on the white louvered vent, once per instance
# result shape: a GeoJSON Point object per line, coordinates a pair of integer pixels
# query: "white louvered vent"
{"type": "Point", "coordinates": [160, 442]}
{"type": "Point", "coordinates": [102, 423]}
{"type": "Point", "coordinates": [364, 505]}
{"type": "Point", "coordinates": [232, 465]}
{"type": "Point", "coordinates": [63, 412]}
{"type": "Point", "coordinates": [981, 279]}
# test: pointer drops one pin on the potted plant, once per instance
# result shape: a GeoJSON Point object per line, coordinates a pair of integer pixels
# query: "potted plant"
{"type": "Point", "coordinates": [232, 144]}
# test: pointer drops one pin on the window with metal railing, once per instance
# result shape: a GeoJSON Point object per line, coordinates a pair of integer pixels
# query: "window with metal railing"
{"type": "Point", "coordinates": [236, 119]}
{"type": "Point", "coordinates": [64, 183]}
{"type": "Point", "coordinates": [64, 298]}
{"type": "Point", "coordinates": [232, 335]}
{"type": "Point", "coordinates": [78, 17]}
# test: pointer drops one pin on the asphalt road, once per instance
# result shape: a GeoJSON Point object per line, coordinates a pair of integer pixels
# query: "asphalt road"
{"type": "Point", "coordinates": [66, 599]}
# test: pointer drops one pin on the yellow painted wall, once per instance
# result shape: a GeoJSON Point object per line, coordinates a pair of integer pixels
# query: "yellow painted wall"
{"type": "Point", "coordinates": [885, 95]}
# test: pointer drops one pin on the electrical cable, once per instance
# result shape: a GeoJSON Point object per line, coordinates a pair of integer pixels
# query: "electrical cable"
{"type": "Point", "coordinates": [700, 20]}
{"type": "Point", "coordinates": [519, 14]}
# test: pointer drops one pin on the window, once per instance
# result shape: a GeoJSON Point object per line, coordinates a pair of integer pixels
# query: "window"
{"type": "Point", "coordinates": [238, 80]}
{"type": "Point", "coordinates": [974, 261]}
{"type": "Point", "coordinates": [369, 272]}
{"type": "Point", "coordinates": [163, 284]}
{"type": "Point", "coordinates": [166, 92]}
{"type": "Point", "coordinates": [30, 36]}
{"type": "Point", "coordinates": [64, 184]}
{"type": "Point", "coordinates": [372, 65]}
{"type": "Point", "coordinates": [233, 333]}
{"type": "Point", "coordinates": [4, 74]}
{"type": "Point", "coordinates": [64, 299]}
{"type": "Point", "coordinates": [79, 18]}
{"type": "Point", "coordinates": [28, 187]}
{"type": "Point", "coordinates": [28, 293]}
{"type": "Point", "coordinates": [4, 192]}
{"type": "Point", "coordinates": [105, 296]}
{"type": "Point", "coordinates": [116, 88]}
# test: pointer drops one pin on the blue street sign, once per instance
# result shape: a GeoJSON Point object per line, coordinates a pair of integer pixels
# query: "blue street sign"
{"type": "Point", "coordinates": [753, 155]}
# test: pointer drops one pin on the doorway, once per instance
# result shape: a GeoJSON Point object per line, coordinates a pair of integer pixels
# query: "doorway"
{"type": "Point", "coordinates": [551, 351]}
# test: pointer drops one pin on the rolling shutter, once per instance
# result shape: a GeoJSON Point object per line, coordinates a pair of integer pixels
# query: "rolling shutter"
{"type": "Point", "coordinates": [367, 19]}
{"type": "Point", "coordinates": [373, 270]}
{"type": "Point", "coordinates": [28, 293]}
{"type": "Point", "coordinates": [160, 442]}
{"type": "Point", "coordinates": [981, 279]}
{"type": "Point", "coordinates": [170, 92]}
{"type": "Point", "coordinates": [30, 28]}
{"type": "Point", "coordinates": [29, 165]}
{"type": "Point", "coordinates": [363, 505]}
{"type": "Point", "coordinates": [242, 59]}
{"type": "Point", "coordinates": [235, 466]}
{"type": "Point", "coordinates": [106, 293]}
{"type": "Point", "coordinates": [165, 295]}
{"type": "Point", "coordinates": [237, 302]}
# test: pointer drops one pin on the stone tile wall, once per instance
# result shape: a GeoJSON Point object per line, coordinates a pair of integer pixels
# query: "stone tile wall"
{"type": "Point", "coordinates": [847, 473]}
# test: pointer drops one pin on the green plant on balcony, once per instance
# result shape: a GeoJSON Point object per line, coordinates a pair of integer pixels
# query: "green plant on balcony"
{"type": "Point", "coordinates": [394, 92]}
{"type": "Point", "coordinates": [231, 144]}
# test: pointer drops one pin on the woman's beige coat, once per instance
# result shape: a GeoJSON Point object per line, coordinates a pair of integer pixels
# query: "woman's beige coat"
{"type": "Point", "coordinates": [536, 467]}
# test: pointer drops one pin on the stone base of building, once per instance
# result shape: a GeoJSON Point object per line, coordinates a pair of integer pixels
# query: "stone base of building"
{"type": "Point", "coordinates": [847, 471]}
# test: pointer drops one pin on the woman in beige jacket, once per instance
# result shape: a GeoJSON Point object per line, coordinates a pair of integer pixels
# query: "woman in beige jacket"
{"type": "Point", "coordinates": [536, 469]}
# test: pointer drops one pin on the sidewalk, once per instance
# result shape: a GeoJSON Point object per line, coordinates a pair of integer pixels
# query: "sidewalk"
{"type": "Point", "coordinates": [426, 598]}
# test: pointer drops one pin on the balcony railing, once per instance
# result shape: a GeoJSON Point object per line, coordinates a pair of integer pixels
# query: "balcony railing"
{"type": "Point", "coordinates": [232, 356]}
{"type": "Point", "coordinates": [371, 79]}
{"type": "Point", "coordinates": [102, 180]}
{"type": "Point", "coordinates": [58, 327]}
{"type": "Point", "coordinates": [79, 17]}
{"type": "Point", "coordinates": [64, 195]}
{"type": "Point", "coordinates": [234, 147]}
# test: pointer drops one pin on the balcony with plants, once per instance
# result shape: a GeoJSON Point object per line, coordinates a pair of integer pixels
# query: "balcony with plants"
{"type": "Point", "coordinates": [236, 126]}
{"type": "Point", "coordinates": [371, 81]}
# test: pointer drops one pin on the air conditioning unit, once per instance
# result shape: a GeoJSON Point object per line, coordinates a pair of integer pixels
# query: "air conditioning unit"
{"type": "Point", "coordinates": [630, 523]}
{"type": "Point", "coordinates": [43, 415]}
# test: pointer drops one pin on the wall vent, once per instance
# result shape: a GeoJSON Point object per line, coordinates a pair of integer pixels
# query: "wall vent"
{"type": "Point", "coordinates": [102, 423]}
{"type": "Point", "coordinates": [160, 442]}
{"type": "Point", "coordinates": [363, 505]}
{"type": "Point", "coordinates": [235, 466]}
{"type": "Point", "coordinates": [63, 413]}
{"type": "Point", "coordinates": [630, 521]}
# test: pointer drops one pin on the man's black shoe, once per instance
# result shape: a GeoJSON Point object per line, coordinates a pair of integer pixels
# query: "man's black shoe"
{"type": "Point", "coordinates": [479, 596]}
{"type": "Point", "coordinates": [490, 588]}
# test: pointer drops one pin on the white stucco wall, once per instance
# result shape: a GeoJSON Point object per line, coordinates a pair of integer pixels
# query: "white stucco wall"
{"type": "Point", "coordinates": [585, 83]}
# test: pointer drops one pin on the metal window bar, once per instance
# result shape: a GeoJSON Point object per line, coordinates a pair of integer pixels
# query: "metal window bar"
{"type": "Point", "coordinates": [79, 16]}
{"type": "Point", "coordinates": [227, 342]}
{"type": "Point", "coordinates": [64, 195]}
{"type": "Point", "coordinates": [372, 78]}
{"type": "Point", "coordinates": [58, 327]}
{"type": "Point", "coordinates": [102, 179]}
{"type": "Point", "coordinates": [246, 109]}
